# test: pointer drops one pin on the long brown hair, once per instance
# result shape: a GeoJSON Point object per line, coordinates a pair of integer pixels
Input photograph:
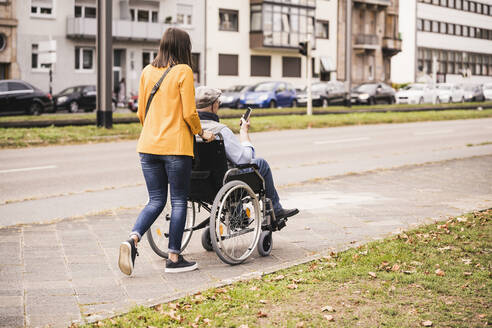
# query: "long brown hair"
{"type": "Point", "coordinates": [175, 48]}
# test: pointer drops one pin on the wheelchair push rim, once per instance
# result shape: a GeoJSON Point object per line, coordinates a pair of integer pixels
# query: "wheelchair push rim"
{"type": "Point", "coordinates": [158, 233]}
{"type": "Point", "coordinates": [235, 222]}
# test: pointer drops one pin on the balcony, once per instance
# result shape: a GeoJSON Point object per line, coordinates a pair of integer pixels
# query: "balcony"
{"type": "Point", "coordinates": [366, 41]}
{"type": "Point", "coordinates": [391, 46]}
{"type": "Point", "coordinates": [375, 2]}
{"type": "Point", "coordinates": [86, 28]}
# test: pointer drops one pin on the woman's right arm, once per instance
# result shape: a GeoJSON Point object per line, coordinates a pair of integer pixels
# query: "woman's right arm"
{"type": "Point", "coordinates": [141, 99]}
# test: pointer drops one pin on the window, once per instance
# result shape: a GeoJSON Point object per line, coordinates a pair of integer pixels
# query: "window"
{"type": "Point", "coordinates": [443, 28]}
{"type": "Point", "coordinates": [291, 67]}
{"type": "Point", "coordinates": [84, 59]}
{"type": "Point", "coordinates": [465, 5]}
{"type": "Point", "coordinates": [419, 25]}
{"type": "Point", "coordinates": [256, 17]}
{"type": "Point", "coordinates": [459, 4]}
{"type": "Point", "coordinates": [451, 3]}
{"type": "Point", "coordinates": [143, 15]}
{"type": "Point", "coordinates": [427, 25]}
{"type": "Point", "coordinates": [435, 26]}
{"type": "Point", "coordinates": [195, 66]}
{"type": "Point", "coordinates": [260, 65]}
{"type": "Point", "coordinates": [228, 65]}
{"type": "Point", "coordinates": [42, 8]}
{"type": "Point", "coordinates": [459, 30]}
{"type": "Point", "coordinates": [90, 12]}
{"type": "Point", "coordinates": [472, 7]}
{"type": "Point", "coordinates": [472, 32]}
{"type": "Point", "coordinates": [155, 16]}
{"type": "Point", "coordinates": [184, 14]}
{"type": "Point", "coordinates": [148, 57]}
{"type": "Point", "coordinates": [322, 29]}
{"type": "Point", "coordinates": [451, 28]}
{"type": "Point", "coordinates": [35, 64]}
{"type": "Point", "coordinates": [17, 86]}
{"type": "Point", "coordinates": [444, 3]}
{"type": "Point", "coordinates": [228, 20]}
{"type": "Point", "coordinates": [78, 11]}
{"type": "Point", "coordinates": [465, 31]}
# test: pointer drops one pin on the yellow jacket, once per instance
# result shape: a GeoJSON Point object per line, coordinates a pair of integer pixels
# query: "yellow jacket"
{"type": "Point", "coordinates": [172, 119]}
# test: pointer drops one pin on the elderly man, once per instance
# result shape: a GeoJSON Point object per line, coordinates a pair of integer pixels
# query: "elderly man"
{"type": "Point", "coordinates": [238, 151]}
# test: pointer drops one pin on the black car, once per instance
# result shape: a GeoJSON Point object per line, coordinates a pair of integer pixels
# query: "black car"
{"type": "Point", "coordinates": [474, 92]}
{"type": "Point", "coordinates": [19, 97]}
{"type": "Point", "coordinates": [373, 93]}
{"type": "Point", "coordinates": [323, 94]}
{"type": "Point", "coordinates": [75, 98]}
{"type": "Point", "coordinates": [230, 97]}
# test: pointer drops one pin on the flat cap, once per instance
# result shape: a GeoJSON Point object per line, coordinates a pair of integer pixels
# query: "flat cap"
{"type": "Point", "coordinates": [205, 96]}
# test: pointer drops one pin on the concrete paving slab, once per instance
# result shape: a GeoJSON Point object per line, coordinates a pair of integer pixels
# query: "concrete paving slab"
{"type": "Point", "coordinates": [67, 271]}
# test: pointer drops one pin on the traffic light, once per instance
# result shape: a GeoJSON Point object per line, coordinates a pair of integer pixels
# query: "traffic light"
{"type": "Point", "coordinates": [303, 48]}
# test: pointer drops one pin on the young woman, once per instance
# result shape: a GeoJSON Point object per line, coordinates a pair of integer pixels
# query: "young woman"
{"type": "Point", "coordinates": [166, 146]}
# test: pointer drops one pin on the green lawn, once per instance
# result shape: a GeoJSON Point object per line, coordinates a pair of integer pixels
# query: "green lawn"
{"type": "Point", "coordinates": [437, 275]}
{"type": "Point", "coordinates": [25, 137]}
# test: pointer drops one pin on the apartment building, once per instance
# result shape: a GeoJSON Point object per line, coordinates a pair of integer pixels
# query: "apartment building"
{"type": "Point", "coordinates": [375, 39]}
{"type": "Point", "coordinates": [249, 41]}
{"type": "Point", "coordinates": [451, 38]}
{"type": "Point", "coordinates": [138, 26]}
{"type": "Point", "coordinates": [8, 40]}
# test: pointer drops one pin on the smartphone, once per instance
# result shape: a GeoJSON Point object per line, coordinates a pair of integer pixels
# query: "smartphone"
{"type": "Point", "coordinates": [247, 114]}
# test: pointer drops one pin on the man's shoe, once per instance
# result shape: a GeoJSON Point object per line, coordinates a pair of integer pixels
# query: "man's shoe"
{"type": "Point", "coordinates": [284, 213]}
{"type": "Point", "coordinates": [128, 252]}
{"type": "Point", "coordinates": [180, 266]}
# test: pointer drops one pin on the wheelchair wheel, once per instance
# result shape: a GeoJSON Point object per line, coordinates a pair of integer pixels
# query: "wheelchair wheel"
{"type": "Point", "coordinates": [158, 234]}
{"type": "Point", "coordinates": [265, 244]}
{"type": "Point", "coordinates": [235, 222]}
{"type": "Point", "coordinates": [206, 240]}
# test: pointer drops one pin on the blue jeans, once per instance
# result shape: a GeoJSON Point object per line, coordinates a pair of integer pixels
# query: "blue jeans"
{"type": "Point", "coordinates": [158, 171]}
{"type": "Point", "coordinates": [270, 190]}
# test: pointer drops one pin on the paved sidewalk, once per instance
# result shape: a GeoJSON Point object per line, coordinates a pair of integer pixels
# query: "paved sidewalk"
{"type": "Point", "coordinates": [54, 274]}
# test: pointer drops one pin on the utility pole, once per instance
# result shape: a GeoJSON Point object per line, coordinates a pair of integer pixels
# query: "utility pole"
{"type": "Point", "coordinates": [104, 51]}
{"type": "Point", "coordinates": [348, 50]}
{"type": "Point", "coordinates": [305, 50]}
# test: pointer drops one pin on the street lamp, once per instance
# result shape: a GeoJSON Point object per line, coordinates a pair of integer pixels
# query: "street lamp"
{"type": "Point", "coordinates": [104, 51]}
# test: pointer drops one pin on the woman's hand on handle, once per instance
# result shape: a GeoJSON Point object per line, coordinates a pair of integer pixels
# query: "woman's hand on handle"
{"type": "Point", "coordinates": [207, 136]}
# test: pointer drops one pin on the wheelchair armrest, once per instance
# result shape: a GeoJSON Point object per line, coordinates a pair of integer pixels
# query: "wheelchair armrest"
{"type": "Point", "coordinates": [246, 166]}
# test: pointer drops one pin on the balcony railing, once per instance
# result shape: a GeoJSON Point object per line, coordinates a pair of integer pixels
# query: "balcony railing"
{"type": "Point", "coordinates": [78, 27]}
{"type": "Point", "coordinates": [367, 41]}
{"type": "Point", "coordinates": [375, 2]}
{"type": "Point", "coordinates": [391, 46]}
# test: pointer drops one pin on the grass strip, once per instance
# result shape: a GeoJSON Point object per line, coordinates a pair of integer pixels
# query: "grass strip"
{"type": "Point", "coordinates": [437, 275]}
{"type": "Point", "coordinates": [226, 112]}
{"type": "Point", "coordinates": [25, 137]}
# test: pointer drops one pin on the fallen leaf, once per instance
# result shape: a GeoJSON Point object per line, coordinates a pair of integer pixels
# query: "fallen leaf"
{"type": "Point", "coordinates": [298, 280]}
{"type": "Point", "coordinates": [427, 323]}
{"type": "Point", "coordinates": [174, 306]}
{"type": "Point", "coordinates": [292, 286]}
{"type": "Point", "coordinates": [329, 317]}
{"type": "Point", "coordinates": [300, 324]}
{"type": "Point", "coordinates": [279, 277]}
{"type": "Point", "coordinates": [220, 291]}
{"type": "Point", "coordinates": [372, 274]}
{"type": "Point", "coordinates": [461, 219]}
{"type": "Point", "coordinates": [244, 326]}
{"type": "Point", "coordinates": [207, 321]}
{"type": "Point", "coordinates": [197, 319]}
{"type": "Point", "coordinates": [466, 261]}
{"type": "Point", "coordinates": [481, 316]}
{"type": "Point", "coordinates": [261, 314]}
{"type": "Point", "coordinates": [254, 288]}
{"type": "Point", "coordinates": [263, 301]}
{"type": "Point", "coordinates": [395, 267]}
{"type": "Point", "coordinates": [327, 308]}
{"type": "Point", "coordinates": [467, 273]}
{"type": "Point", "coordinates": [158, 308]}
{"type": "Point", "coordinates": [439, 272]}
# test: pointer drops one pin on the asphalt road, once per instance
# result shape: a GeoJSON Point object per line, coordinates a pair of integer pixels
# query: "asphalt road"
{"type": "Point", "coordinates": [40, 182]}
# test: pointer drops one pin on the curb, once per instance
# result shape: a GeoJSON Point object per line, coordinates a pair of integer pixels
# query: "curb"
{"type": "Point", "coordinates": [127, 120]}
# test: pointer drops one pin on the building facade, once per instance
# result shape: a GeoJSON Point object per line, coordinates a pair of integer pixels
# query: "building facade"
{"type": "Point", "coordinates": [8, 40]}
{"type": "Point", "coordinates": [451, 39]}
{"type": "Point", "coordinates": [375, 39]}
{"type": "Point", "coordinates": [138, 26]}
{"type": "Point", "coordinates": [251, 41]}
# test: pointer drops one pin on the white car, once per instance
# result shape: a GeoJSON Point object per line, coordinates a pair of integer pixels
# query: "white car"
{"type": "Point", "coordinates": [447, 93]}
{"type": "Point", "coordinates": [487, 91]}
{"type": "Point", "coordinates": [417, 93]}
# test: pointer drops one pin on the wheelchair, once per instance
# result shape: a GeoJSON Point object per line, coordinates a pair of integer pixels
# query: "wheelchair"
{"type": "Point", "coordinates": [240, 216]}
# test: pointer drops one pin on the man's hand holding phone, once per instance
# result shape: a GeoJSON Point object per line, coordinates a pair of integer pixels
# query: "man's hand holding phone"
{"type": "Point", "coordinates": [244, 123]}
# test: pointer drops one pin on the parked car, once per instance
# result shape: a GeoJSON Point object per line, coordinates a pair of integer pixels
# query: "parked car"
{"type": "Point", "coordinates": [133, 103]}
{"type": "Point", "coordinates": [474, 92]}
{"type": "Point", "coordinates": [417, 93]}
{"type": "Point", "coordinates": [372, 93]}
{"type": "Point", "coordinates": [75, 98]}
{"type": "Point", "coordinates": [448, 93]}
{"type": "Point", "coordinates": [18, 96]}
{"type": "Point", "coordinates": [269, 94]}
{"type": "Point", "coordinates": [323, 94]}
{"type": "Point", "coordinates": [487, 91]}
{"type": "Point", "coordinates": [230, 97]}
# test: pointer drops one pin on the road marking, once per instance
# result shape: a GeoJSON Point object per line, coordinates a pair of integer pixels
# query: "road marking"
{"type": "Point", "coordinates": [425, 133]}
{"type": "Point", "coordinates": [25, 169]}
{"type": "Point", "coordinates": [340, 140]}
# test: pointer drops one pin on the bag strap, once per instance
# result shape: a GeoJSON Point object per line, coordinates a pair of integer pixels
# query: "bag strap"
{"type": "Point", "coordinates": [155, 88]}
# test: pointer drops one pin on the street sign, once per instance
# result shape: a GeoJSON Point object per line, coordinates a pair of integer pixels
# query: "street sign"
{"type": "Point", "coordinates": [47, 58]}
{"type": "Point", "coordinates": [47, 46]}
